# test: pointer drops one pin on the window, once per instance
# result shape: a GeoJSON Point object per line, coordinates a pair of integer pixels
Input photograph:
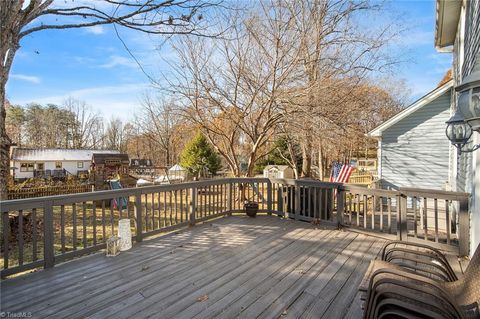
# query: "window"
{"type": "Point", "coordinates": [58, 165]}
{"type": "Point", "coordinates": [79, 164]}
{"type": "Point", "coordinates": [26, 167]}
{"type": "Point", "coordinates": [40, 166]}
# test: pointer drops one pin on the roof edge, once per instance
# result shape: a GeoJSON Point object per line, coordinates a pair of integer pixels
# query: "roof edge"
{"type": "Point", "coordinates": [418, 104]}
{"type": "Point", "coordinates": [446, 23]}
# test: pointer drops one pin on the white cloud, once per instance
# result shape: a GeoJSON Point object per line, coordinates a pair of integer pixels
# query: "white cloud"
{"type": "Point", "coordinates": [116, 60]}
{"type": "Point", "coordinates": [27, 78]}
{"type": "Point", "coordinates": [96, 29]}
{"type": "Point", "coordinates": [113, 100]}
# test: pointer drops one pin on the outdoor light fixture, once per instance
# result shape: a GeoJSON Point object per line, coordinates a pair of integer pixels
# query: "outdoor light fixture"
{"type": "Point", "coordinates": [457, 131]}
{"type": "Point", "coordinates": [467, 116]}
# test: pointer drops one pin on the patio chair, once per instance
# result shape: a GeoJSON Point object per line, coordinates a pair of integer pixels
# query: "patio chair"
{"type": "Point", "coordinates": [422, 259]}
{"type": "Point", "coordinates": [419, 258]}
{"type": "Point", "coordinates": [394, 291]}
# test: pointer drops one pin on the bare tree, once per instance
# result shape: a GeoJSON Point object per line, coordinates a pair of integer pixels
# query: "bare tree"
{"type": "Point", "coordinates": [19, 18]}
{"type": "Point", "coordinates": [232, 88]}
{"type": "Point", "coordinates": [158, 121]}
{"type": "Point", "coordinates": [86, 128]}
{"type": "Point", "coordinates": [116, 135]}
{"type": "Point", "coordinates": [15, 122]}
{"type": "Point", "coordinates": [334, 53]}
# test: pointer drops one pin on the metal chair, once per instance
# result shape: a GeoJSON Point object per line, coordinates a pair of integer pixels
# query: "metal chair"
{"type": "Point", "coordinates": [422, 259]}
{"type": "Point", "coordinates": [404, 292]}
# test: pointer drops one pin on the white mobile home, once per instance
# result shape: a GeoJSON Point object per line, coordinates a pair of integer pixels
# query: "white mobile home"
{"type": "Point", "coordinates": [25, 162]}
{"type": "Point", "coordinates": [412, 145]}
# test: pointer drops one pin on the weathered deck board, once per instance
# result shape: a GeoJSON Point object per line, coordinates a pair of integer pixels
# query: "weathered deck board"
{"type": "Point", "coordinates": [253, 268]}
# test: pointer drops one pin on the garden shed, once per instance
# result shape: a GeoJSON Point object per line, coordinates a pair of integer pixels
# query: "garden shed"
{"type": "Point", "coordinates": [278, 171]}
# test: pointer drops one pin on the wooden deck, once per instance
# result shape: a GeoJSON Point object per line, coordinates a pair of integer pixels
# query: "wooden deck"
{"type": "Point", "coordinates": [232, 267]}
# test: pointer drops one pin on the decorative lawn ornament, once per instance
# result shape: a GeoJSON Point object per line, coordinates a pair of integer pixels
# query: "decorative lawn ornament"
{"type": "Point", "coordinates": [113, 246]}
{"type": "Point", "coordinates": [125, 234]}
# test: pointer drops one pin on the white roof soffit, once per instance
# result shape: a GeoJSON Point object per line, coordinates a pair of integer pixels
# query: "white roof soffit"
{"type": "Point", "coordinates": [421, 102]}
{"type": "Point", "coordinates": [446, 23]}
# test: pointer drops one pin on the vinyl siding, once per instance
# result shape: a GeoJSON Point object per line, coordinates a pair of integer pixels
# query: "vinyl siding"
{"type": "Point", "coordinates": [415, 149]}
{"type": "Point", "coordinates": [471, 50]}
{"type": "Point", "coordinates": [468, 164]}
{"type": "Point", "coordinates": [472, 36]}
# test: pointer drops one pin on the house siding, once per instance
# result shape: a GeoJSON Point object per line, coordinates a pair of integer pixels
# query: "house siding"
{"type": "Point", "coordinates": [466, 56]}
{"type": "Point", "coordinates": [463, 65]}
{"type": "Point", "coordinates": [413, 149]}
{"type": "Point", "coordinates": [472, 36]}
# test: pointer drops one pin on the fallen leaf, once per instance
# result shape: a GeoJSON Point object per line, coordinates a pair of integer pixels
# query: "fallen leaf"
{"type": "Point", "coordinates": [284, 313]}
{"type": "Point", "coordinates": [202, 298]}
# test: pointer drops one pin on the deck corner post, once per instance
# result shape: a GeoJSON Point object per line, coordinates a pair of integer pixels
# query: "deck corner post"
{"type": "Point", "coordinates": [193, 205]}
{"type": "Point", "coordinates": [340, 205]}
{"type": "Point", "coordinates": [138, 216]}
{"type": "Point", "coordinates": [402, 230]}
{"type": "Point", "coordinates": [269, 197]}
{"type": "Point", "coordinates": [229, 198]}
{"type": "Point", "coordinates": [48, 253]}
{"type": "Point", "coordinates": [464, 228]}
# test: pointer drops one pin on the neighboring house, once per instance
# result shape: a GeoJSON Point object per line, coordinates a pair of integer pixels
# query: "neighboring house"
{"type": "Point", "coordinates": [142, 166]}
{"type": "Point", "coordinates": [458, 31]}
{"type": "Point", "coordinates": [278, 171]}
{"type": "Point", "coordinates": [30, 162]}
{"type": "Point", "coordinates": [412, 144]}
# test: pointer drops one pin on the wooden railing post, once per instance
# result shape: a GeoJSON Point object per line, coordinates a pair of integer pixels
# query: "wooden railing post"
{"type": "Point", "coordinates": [193, 205]}
{"type": "Point", "coordinates": [402, 230]}
{"type": "Point", "coordinates": [269, 198]}
{"type": "Point", "coordinates": [340, 205]}
{"type": "Point", "coordinates": [138, 216]}
{"type": "Point", "coordinates": [298, 207]}
{"type": "Point", "coordinates": [464, 228]}
{"type": "Point", "coordinates": [48, 252]}
{"type": "Point", "coordinates": [229, 198]}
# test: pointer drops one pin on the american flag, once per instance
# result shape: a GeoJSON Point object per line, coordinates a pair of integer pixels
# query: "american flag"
{"type": "Point", "coordinates": [340, 173]}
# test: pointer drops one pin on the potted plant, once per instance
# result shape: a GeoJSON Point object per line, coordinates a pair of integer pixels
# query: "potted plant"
{"type": "Point", "coordinates": [251, 208]}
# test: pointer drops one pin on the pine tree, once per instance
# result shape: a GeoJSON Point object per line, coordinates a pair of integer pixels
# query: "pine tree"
{"type": "Point", "coordinates": [199, 156]}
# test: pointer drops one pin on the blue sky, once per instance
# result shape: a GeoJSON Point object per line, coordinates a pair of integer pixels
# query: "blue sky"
{"type": "Point", "coordinates": [92, 64]}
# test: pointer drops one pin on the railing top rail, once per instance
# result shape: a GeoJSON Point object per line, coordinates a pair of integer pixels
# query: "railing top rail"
{"type": "Point", "coordinates": [369, 191]}
{"type": "Point", "coordinates": [305, 182]}
{"type": "Point", "coordinates": [38, 202]}
{"type": "Point", "coordinates": [440, 194]}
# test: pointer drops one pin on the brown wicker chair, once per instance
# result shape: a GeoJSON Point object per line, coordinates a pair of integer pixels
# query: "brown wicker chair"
{"type": "Point", "coordinates": [395, 291]}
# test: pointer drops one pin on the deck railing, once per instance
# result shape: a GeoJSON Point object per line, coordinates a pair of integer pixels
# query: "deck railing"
{"type": "Point", "coordinates": [40, 232]}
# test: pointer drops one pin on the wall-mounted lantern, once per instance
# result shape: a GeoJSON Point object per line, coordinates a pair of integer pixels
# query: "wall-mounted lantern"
{"type": "Point", "coordinates": [467, 116]}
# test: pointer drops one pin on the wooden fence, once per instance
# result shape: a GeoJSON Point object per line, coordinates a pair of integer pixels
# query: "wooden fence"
{"type": "Point", "coordinates": [363, 179]}
{"type": "Point", "coordinates": [53, 229]}
{"type": "Point", "coordinates": [47, 191]}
